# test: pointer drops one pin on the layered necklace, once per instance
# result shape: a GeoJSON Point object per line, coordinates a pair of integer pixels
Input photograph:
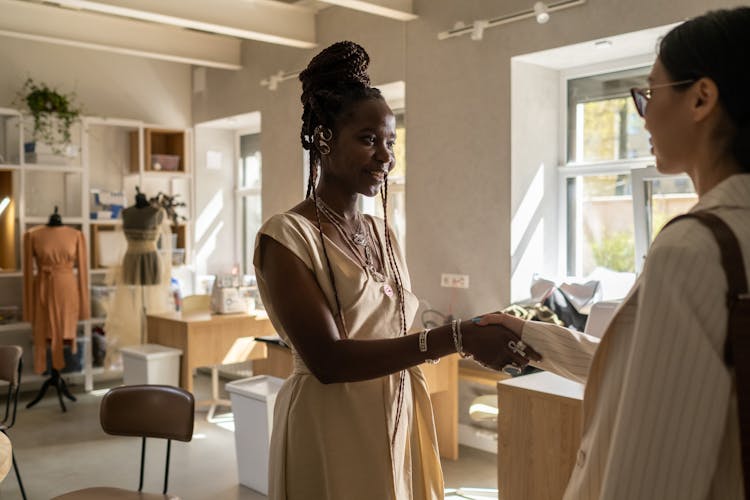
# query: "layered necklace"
{"type": "Point", "coordinates": [361, 237]}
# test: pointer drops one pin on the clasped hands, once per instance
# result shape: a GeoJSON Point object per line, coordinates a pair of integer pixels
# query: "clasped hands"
{"type": "Point", "coordinates": [494, 340]}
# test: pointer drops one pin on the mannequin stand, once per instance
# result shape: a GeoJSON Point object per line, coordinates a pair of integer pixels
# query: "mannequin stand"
{"type": "Point", "coordinates": [62, 390]}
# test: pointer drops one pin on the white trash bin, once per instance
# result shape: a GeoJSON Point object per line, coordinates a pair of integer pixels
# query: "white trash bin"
{"type": "Point", "coordinates": [253, 400]}
{"type": "Point", "coordinates": [151, 364]}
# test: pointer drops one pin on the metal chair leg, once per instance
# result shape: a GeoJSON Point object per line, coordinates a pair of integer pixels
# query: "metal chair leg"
{"type": "Point", "coordinates": [18, 476]}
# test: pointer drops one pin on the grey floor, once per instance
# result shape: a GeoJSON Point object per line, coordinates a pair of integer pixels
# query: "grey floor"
{"type": "Point", "coordinates": [59, 452]}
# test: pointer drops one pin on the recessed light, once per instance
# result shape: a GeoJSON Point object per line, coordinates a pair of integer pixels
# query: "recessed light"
{"type": "Point", "coordinates": [603, 44]}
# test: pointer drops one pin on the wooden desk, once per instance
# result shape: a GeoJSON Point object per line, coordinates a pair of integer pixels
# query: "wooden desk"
{"type": "Point", "coordinates": [208, 339]}
{"type": "Point", "coordinates": [539, 431]}
{"type": "Point", "coordinates": [442, 382]}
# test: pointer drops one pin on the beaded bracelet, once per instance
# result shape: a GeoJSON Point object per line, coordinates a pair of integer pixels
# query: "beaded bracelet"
{"type": "Point", "coordinates": [423, 346]}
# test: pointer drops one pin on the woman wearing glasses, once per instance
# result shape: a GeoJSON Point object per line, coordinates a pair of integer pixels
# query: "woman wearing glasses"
{"type": "Point", "coordinates": [660, 405]}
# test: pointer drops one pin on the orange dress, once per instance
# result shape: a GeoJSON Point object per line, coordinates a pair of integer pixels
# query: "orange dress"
{"type": "Point", "coordinates": [55, 298]}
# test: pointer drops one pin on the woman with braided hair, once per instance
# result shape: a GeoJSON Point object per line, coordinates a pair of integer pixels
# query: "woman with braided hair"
{"type": "Point", "coordinates": [354, 420]}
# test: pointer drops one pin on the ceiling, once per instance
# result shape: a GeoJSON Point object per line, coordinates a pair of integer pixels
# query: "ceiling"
{"type": "Point", "coordinates": [200, 32]}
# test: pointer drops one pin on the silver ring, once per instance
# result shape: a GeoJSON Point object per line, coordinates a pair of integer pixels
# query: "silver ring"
{"type": "Point", "coordinates": [517, 347]}
{"type": "Point", "coordinates": [512, 369]}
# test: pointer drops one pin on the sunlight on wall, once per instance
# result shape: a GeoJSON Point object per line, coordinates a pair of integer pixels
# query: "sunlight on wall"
{"type": "Point", "coordinates": [208, 216]}
{"type": "Point", "coordinates": [522, 219]}
{"type": "Point", "coordinates": [527, 238]}
{"type": "Point", "coordinates": [206, 248]}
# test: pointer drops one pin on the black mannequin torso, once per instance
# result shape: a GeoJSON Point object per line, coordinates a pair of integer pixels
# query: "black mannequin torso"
{"type": "Point", "coordinates": [55, 219]}
{"type": "Point", "coordinates": [147, 217]}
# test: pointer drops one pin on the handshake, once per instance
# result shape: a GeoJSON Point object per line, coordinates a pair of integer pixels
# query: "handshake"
{"type": "Point", "coordinates": [494, 341]}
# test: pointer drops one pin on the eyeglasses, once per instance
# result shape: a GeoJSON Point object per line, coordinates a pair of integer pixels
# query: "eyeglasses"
{"type": "Point", "coordinates": [641, 96]}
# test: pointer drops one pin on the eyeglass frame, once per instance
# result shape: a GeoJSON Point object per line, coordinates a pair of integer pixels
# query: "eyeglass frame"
{"type": "Point", "coordinates": [643, 94]}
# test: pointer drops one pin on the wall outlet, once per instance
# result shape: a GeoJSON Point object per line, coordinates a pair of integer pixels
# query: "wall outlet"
{"type": "Point", "coordinates": [454, 280]}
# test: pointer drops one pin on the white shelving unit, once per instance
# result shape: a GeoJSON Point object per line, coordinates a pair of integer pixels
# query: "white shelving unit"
{"type": "Point", "coordinates": [104, 149]}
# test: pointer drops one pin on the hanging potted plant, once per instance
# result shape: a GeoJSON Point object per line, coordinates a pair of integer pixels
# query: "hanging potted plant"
{"type": "Point", "coordinates": [54, 115]}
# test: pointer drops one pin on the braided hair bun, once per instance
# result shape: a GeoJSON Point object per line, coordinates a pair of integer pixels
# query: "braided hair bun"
{"type": "Point", "coordinates": [341, 64]}
{"type": "Point", "coordinates": [335, 79]}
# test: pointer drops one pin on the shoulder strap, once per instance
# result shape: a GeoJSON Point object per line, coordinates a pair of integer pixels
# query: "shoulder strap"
{"type": "Point", "coordinates": [737, 346]}
{"type": "Point", "coordinates": [731, 253]}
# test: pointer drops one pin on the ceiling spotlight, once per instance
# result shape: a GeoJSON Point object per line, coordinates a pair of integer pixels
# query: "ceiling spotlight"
{"type": "Point", "coordinates": [603, 44]}
{"type": "Point", "coordinates": [541, 13]}
{"type": "Point", "coordinates": [477, 32]}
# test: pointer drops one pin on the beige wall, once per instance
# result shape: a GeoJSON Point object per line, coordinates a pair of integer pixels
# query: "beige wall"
{"type": "Point", "coordinates": [457, 114]}
{"type": "Point", "coordinates": [106, 84]}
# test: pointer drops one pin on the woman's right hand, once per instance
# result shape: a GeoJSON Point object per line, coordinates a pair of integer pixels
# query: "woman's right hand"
{"type": "Point", "coordinates": [496, 346]}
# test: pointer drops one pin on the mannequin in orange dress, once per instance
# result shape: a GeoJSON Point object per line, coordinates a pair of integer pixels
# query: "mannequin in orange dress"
{"type": "Point", "coordinates": [54, 298]}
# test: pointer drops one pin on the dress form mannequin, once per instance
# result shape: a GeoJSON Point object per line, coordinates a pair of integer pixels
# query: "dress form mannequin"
{"type": "Point", "coordinates": [141, 285]}
{"type": "Point", "coordinates": [51, 303]}
{"type": "Point", "coordinates": [140, 222]}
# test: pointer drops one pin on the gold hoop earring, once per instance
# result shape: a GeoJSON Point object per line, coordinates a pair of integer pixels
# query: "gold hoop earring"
{"type": "Point", "coordinates": [324, 148]}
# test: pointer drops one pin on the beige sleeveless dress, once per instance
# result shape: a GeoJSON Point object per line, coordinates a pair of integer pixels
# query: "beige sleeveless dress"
{"type": "Point", "coordinates": [333, 442]}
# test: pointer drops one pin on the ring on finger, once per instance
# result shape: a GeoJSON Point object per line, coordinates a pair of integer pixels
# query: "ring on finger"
{"type": "Point", "coordinates": [517, 347]}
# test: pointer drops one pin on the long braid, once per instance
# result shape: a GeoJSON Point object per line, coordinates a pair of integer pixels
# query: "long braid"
{"type": "Point", "coordinates": [392, 257]}
{"type": "Point", "coordinates": [344, 331]}
{"type": "Point", "coordinates": [401, 299]}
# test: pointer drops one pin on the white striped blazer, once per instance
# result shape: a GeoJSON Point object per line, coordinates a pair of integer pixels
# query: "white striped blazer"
{"type": "Point", "coordinates": [660, 406]}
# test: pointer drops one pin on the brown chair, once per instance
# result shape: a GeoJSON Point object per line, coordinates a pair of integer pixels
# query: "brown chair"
{"type": "Point", "coordinates": [10, 372]}
{"type": "Point", "coordinates": [158, 411]}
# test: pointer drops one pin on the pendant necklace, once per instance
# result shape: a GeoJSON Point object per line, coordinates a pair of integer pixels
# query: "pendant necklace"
{"type": "Point", "coordinates": [362, 237]}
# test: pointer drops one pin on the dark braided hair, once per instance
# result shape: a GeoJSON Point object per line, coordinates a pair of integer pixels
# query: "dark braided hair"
{"type": "Point", "coordinates": [334, 80]}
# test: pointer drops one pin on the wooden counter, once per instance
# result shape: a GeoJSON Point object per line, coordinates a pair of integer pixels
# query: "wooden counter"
{"type": "Point", "coordinates": [539, 432]}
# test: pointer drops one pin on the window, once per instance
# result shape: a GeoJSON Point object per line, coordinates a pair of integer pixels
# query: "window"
{"type": "Point", "coordinates": [615, 200]}
{"type": "Point", "coordinates": [396, 188]}
{"type": "Point", "coordinates": [249, 196]}
{"type": "Point", "coordinates": [603, 124]}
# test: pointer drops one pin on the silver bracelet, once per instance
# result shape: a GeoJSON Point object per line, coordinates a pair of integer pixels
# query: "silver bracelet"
{"type": "Point", "coordinates": [461, 342]}
{"type": "Point", "coordinates": [423, 346]}
{"type": "Point", "coordinates": [458, 339]}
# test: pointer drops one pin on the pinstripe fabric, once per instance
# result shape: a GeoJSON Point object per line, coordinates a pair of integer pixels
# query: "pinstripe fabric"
{"type": "Point", "coordinates": [660, 407]}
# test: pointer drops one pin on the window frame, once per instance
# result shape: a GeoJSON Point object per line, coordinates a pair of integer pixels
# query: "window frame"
{"type": "Point", "coordinates": [642, 169]}
{"type": "Point", "coordinates": [240, 243]}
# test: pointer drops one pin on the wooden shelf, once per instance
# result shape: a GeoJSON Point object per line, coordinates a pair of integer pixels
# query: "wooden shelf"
{"type": "Point", "coordinates": [43, 219]}
{"type": "Point", "coordinates": [181, 231]}
{"type": "Point", "coordinates": [169, 142]}
{"type": "Point", "coordinates": [14, 327]}
{"type": "Point", "coordinates": [8, 222]}
{"type": "Point", "coordinates": [105, 222]}
{"type": "Point", "coordinates": [63, 169]}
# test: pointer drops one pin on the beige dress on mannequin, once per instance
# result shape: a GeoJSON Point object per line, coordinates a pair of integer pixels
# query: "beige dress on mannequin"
{"type": "Point", "coordinates": [333, 442]}
{"type": "Point", "coordinates": [142, 281]}
{"type": "Point", "coordinates": [55, 298]}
